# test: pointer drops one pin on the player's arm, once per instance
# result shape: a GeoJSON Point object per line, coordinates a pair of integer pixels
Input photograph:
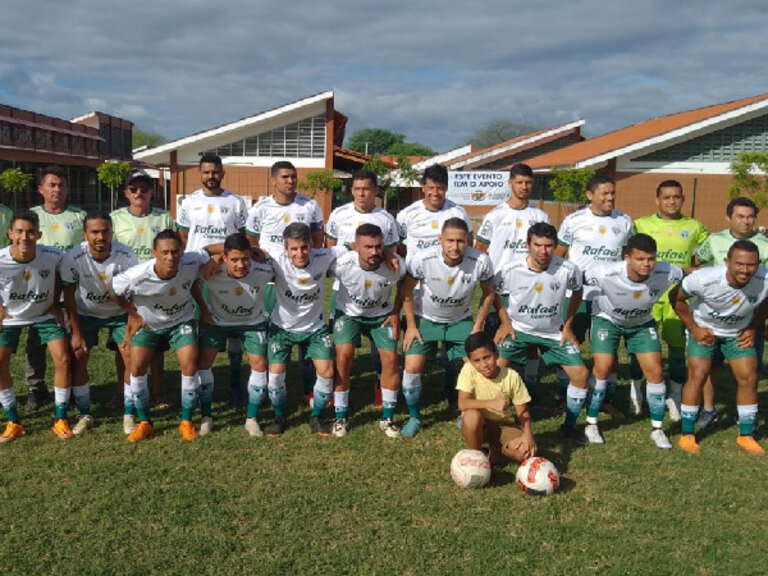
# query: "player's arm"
{"type": "Point", "coordinates": [678, 298]}
{"type": "Point", "coordinates": [3, 314]}
{"type": "Point", "coordinates": [330, 242]}
{"type": "Point", "coordinates": [746, 338]}
{"type": "Point", "coordinates": [505, 322]}
{"type": "Point", "coordinates": [405, 292]}
{"type": "Point", "coordinates": [480, 245]}
{"type": "Point", "coordinates": [570, 314]}
{"type": "Point", "coordinates": [76, 340]}
{"type": "Point", "coordinates": [197, 296]}
{"type": "Point", "coordinates": [184, 235]}
{"type": "Point", "coordinates": [391, 259]}
{"type": "Point", "coordinates": [55, 308]}
{"type": "Point", "coordinates": [488, 293]}
{"type": "Point", "coordinates": [526, 443]}
{"type": "Point", "coordinates": [561, 250]}
{"type": "Point", "coordinates": [467, 401]}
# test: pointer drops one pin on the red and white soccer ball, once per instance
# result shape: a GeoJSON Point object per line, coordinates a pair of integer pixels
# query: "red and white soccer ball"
{"type": "Point", "coordinates": [537, 476]}
{"type": "Point", "coordinates": [470, 469]}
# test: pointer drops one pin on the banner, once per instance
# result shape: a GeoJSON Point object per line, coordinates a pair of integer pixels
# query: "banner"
{"type": "Point", "coordinates": [478, 188]}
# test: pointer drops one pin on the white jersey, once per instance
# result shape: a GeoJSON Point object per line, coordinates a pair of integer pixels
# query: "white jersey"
{"type": "Point", "coordinates": [591, 238]}
{"type": "Point", "coordinates": [92, 278]}
{"type": "Point", "coordinates": [505, 231]}
{"type": "Point", "coordinates": [446, 291]}
{"type": "Point", "coordinates": [536, 298]}
{"type": "Point", "coordinates": [723, 308]}
{"type": "Point", "coordinates": [268, 218]}
{"type": "Point", "coordinates": [623, 301]}
{"type": "Point", "coordinates": [210, 219]}
{"type": "Point", "coordinates": [239, 301]}
{"type": "Point", "coordinates": [161, 303]}
{"type": "Point", "coordinates": [365, 293]}
{"type": "Point", "coordinates": [419, 227]}
{"type": "Point", "coordinates": [300, 292]}
{"type": "Point", "coordinates": [27, 288]}
{"type": "Point", "coordinates": [345, 220]}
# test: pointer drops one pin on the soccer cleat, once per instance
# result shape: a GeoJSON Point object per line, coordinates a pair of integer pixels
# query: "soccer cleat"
{"type": "Point", "coordinates": [688, 443]}
{"type": "Point", "coordinates": [61, 429]}
{"type": "Point", "coordinates": [142, 431]}
{"type": "Point", "coordinates": [660, 439]}
{"type": "Point", "coordinates": [206, 425]}
{"type": "Point", "coordinates": [253, 428]}
{"type": "Point", "coordinates": [573, 434]}
{"type": "Point", "coordinates": [377, 395]}
{"type": "Point", "coordinates": [592, 434]}
{"type": "Point", "coordinates": [615, 414]}
{"type": "Point", "coordinates": [188, 431]}
{"type": "Point", "coordinates": [319, 427]}
{"type": "Point", "coordinates": [129, 424]}
{"type": "Point", "coordinates": [83, 423]}
{"type": "Point", "coordinates": [411, 427]}
{"type": "Point", "coordinates": [749, 444]}
{"type": "Point", "coordinates": [340, 428]}
{"type": "Point", "coordinates": [707, 419]}
{"type": "Point", "coordinates": [13, 430]}
{"type": "Point", "coordinates": [635, 398]}
{"type": "Point", "coordinates": [673, 409]}
{"type": "Point", "coordinates": [389, 428]}
{"type": "Point", "coordinates": [278, 427]}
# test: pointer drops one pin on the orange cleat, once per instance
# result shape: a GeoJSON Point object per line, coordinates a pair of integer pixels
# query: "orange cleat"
{"type": "Point", "coordinates": [188, 431]}
{"type": "Point", "coordinates": [61, 429]}
{"type": "Point", "coordinates": [688, 443]}
{"type": "Point", "coordinates": [749, 444]}
{"type": "Point", "coordinates": [13, 430]}
{"type": "Point", "coordinates": [142, 431]}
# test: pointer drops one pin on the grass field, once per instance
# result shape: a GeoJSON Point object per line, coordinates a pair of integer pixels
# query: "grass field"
{"type": "Point", "coordinates": [366, 504]}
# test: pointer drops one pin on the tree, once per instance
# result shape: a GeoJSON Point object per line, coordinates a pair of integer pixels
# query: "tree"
{"type": "Point", "coordinates": [14, 181]}
{"type": "Point", "coordinates": [749, 177]}
{"type": "Point", "coordinates": [321, 180]}
{"type": "Point", "coordinates": [142, 138]}
{"type": "Point", "coordinates": [113, 174]}
{"type": "Point", "coordinates": [391, 182]}
{"type": "Point", "coordinates": [498, 131]}
{"type": "Point", "coordinates": [377, 141]}
{"type": "Point", "coordinates": [570, 184]}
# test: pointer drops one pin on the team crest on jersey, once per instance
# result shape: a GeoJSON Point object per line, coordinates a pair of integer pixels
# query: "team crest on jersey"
{"type": "Point", "coordinates": [637, 294]}
{"type": "Point", "coordinates": [367, 284]}
{"type": "Point", "coordinates": [44, 273]}
{"type": "Point", "coordinates": [434, 224]}
{"type": "Point", "coordinates": [224, 210]}
{"type": "Point", "coordinates": [752, 299]}
{"type": "Point", "coordinates": [685, 234]}
{"type": "Point", "coordinates": [54, 227]}
{"type": "Point", "coordinates": [211, 208]}
{"type": "Point", "coordinates": [519, 223]}
{"type": "Point", "coordinates": [538, 287]}
{"type": "Point", "coordinates": [555, 286]}
{"type": "Point", "coordinates": [172, 291]}
{"type": "Point", "coordinates": [26, 275]}
{"type": "Point", "coordinates": [736, 300]}
{"type": "Point", "coordinates": [602, 229]}
{"type": "Point", "coordinates": [286, 218]}
{"type": "Point", "coordinates": [103, 276]}
{"type": "Point", "coordinates": [70, 225]}
{"type": "Point", "coordinates": [186, 285]}
{"type": "Point", "coordinates": [602, 334]}
{"type": "Point", "coordinates": [450, 280]}
{"type": "Point", "coordinates": [238, 291]}
{"type": "Point", "coordinates": [303, 280]}
{"type": "Point", "coordinates": [670, 231]}
{"type": "Point", "coordinates": [155, 229]}
{"type": "Point", "coordinates": [141, 229]}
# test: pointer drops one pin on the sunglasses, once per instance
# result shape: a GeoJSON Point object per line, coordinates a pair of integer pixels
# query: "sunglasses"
{"type": "Point", "coordinates": [138, 189]}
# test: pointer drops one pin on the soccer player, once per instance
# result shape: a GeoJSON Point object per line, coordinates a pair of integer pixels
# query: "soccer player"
{"type": "Point", "coordinates": [594, 234]}
{"type": "Point", "coordinates": [235, 309]}
{"type": "Point", "coordinates": [364, 306]}
{"type": "Point", "coordinates": [446, 276]}
{"type": "Point", "coordinates": [61, 226]}
{"type": "Point", "coordinates": [678, 238]}
{"type": "Point", "coordinates": [298, 319]}
{"type": "Point", "coordinates": [136, 226]}
{"type": "Point", "coordinates": [85, 271]}
{"type": "Point", "coordinates": [29, 295]}
{"type": "Point", "coordinates": [485, 392]}
{"type": "Point", "coordinates": [156, 297]}
{"type": "Point", "coordinates": [728, 305]}
{"type": "Point", "coordinates": [536, 284]}
{"type": "Point", "coordinates": [623, 309]}
{"type": "Point", "coordinates": [503, 235]}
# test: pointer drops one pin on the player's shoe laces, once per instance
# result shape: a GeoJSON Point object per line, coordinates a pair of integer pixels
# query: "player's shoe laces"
{"type": "Point", "coordinates": [707, 419]}
{"type": "Point", "coordinates": [636, 398]}
{"type": "Point", "coordinates": [573, 434]}
{"type": "Point", "coordinates": [206, 425]}
{"type": "Point", "coordinates": [688, 443]}
{"type": "Point", "coordinates": [13, 430]}
{"type": "Point", "coordinates": [142, 431]}
{"type": "Point", "coordinates": [749, 444]}
{"type": "Point", "coordinates": [592, 434]}
{"type": "Point", "coordinates": [389, 428]}
{"type": "Point", "coordinates": [61, 429]}
{"type": "Point", "coordinates": [129, 424]}
{"type": "Point", "coordinates": [83, 423]}
{"type": "Point", "coordinates": [411, 428]}
{"type": "Point", "coordinates": [340, 428]}
{"type": "Point", "coordinates": [319, 427]}
{"type": "Point", "coordinates": [278, 427]}
{"type": "Point", "coordinates": [253, 428]}
{"type": "Point", "coordinates": [188, 431]}
{"type": "Point", "coordinates": [660, 439]}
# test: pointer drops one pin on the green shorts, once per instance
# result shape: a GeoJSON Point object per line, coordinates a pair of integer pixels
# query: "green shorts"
{"type": "Point", "coordinates": [582, 321]}
{"type": "Point", "coordinates": [672, 329]}
{"type": "Point", "coordinates": [516, 351]}
{"type": "Point", "coordinates": [90, 327]}
{"type": "Point", "coordinates": [605, 337]}
{"type": "Point", "coordinates": [47, 331]}
{"type": "Point", "coordinates": [727, 347]}
{"type": "Point", "coordinates": [452, 335]}
{"type": "Point", "coordinates": [268, 294]}
{"type": "Point", "coordinates": [349, 329]}
{"type": "Point", "coordinates": [178, 336]}
{"type": "Point", "coordinates": [280, 343]}
{"type": "Point", "coordinates": [254, 337]}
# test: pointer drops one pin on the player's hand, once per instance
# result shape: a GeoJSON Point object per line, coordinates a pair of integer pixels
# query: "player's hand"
{"type": "Point", "coordinates": [526, 445]}
{"type": "Point", "coordinates": [504, 330]}
{"type": "Point", "coordinates": [394, 321]}
{"type": "Point", "coordinates": [3, 315]}
{"type": "Point", "coordinates": [78, 345]}
{"type": "Point", "coordinates": [258, 254]}
{"type": "Point", "coordinates": [393, 264]}
{"type": "Point", "coordinates": [500, 403]}
{"type": "Point", "coordinates": [133, 325]}
{"type": "Point", "coordinates": [205, 317]}
{"type": "Point", "coordinates": [569, 336]}
{"type": "Point", "coordinates": [58, 315]}
{"type": "Point", "coordinates": [411, 334]}
{"type": "Point", "coordinates": [746, 338]}
{"type": "Point", "coordinates": [212, 267]}
{"type": "Point", "coordinates": [703, 336]}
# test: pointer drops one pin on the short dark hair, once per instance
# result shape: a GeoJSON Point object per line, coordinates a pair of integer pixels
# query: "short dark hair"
{"type": "Point", "coordinates": [745, 245]}
{"type": "Point", "coordinates": [456, 223]}
{"type": "Point", "coordinates": [297, 231]}
{"type": "Point", "coordinates": [167, 234]}
{"type": "Point", "coordinates": [479, 340]}
{"type": "Point", "coordinates": [365, 174]}
{"type": "Point", "coordinates": [668, 184]}
{"type": "Point", "coordinates": [520, 169]}
{"type": "Point", "coordinates": [370, 230]}
{"type": "Point", "coordinates": [597, 180]}
{"type": "Point", "coordinates": [209, 158]}
{"type": "Point", "coordinates": [97, 215]}
{"type": "Point", "coordinates": [641, 242]}
{"type": "Point", "coordinates": [437, 173]}
{"type": "Point", "coordinates": [27, 216]}
{"type": "Point", "coordinates": [281, 165]}
{"type": "Point", "coordinates": [236, 241]}
{"type": "Point", "coordinates": [741, 201]}
{"type": "Point", "coordinates": [53, 171]}
{"type": "Point", "coordinates": [542, 230]}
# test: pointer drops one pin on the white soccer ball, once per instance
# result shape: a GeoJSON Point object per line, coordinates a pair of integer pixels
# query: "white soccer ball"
{"type": "Point", "coordinates": [537, 476]}
{"type": "Point", "coordinates": [470, 469]}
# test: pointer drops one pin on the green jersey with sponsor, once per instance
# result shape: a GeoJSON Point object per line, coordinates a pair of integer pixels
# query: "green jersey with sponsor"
{"type": "Point", "coordinates": [138, 232]}
{"type": "Point", "coordinates": [62, 230]}
{"type": "Point", "coordinates": [715, 248]}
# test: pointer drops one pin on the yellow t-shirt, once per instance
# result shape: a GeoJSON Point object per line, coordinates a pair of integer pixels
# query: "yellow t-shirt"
{"type": "Point", "coordinates": [508, 382]}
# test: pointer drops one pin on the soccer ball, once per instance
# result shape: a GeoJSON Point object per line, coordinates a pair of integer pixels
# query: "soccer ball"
{"type": "Point", "coordinates": [470, 469]}
{"type": "Point", "coordinates": [538, 477]}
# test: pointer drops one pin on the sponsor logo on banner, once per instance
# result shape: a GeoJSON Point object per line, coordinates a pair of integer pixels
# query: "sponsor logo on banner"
{"type": "Point", "coordinates": [481, 188]}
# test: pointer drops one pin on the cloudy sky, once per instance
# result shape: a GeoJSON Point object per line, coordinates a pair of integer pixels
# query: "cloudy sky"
{"type": "Point", "coordinates": [434, 71]}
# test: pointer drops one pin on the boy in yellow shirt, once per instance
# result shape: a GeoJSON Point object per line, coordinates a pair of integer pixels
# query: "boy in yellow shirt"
{"type": "Point", "coordinates": [485, 392]}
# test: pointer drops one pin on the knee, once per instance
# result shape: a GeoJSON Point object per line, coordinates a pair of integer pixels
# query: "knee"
{"type": "Point", "coordinates": [472, 420]}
